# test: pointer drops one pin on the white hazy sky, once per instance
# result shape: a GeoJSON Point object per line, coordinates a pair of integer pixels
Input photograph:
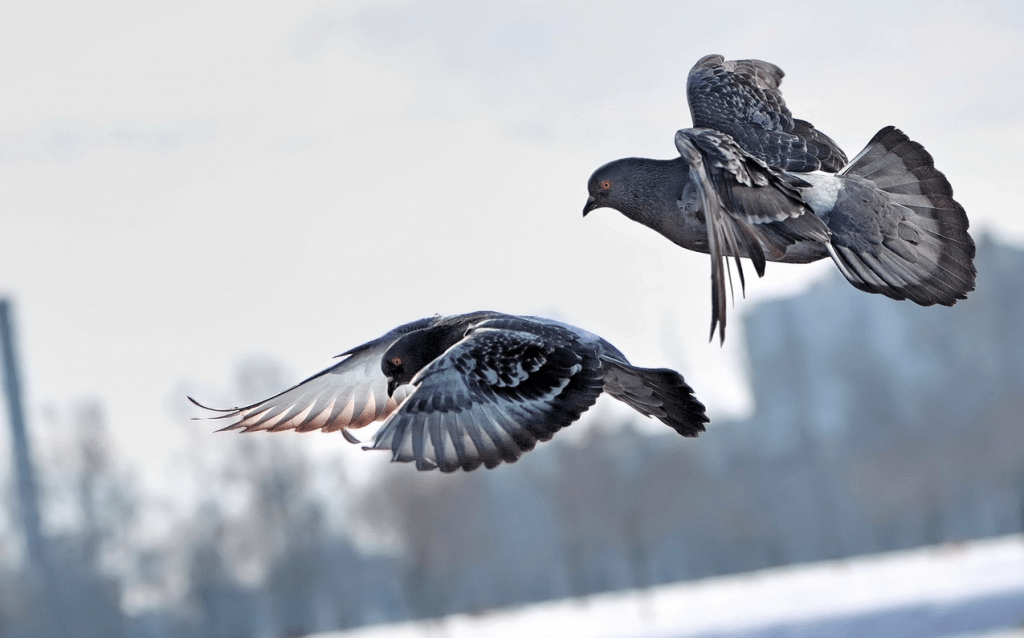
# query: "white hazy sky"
{"type": "Point", "coordinates": [184, 184]}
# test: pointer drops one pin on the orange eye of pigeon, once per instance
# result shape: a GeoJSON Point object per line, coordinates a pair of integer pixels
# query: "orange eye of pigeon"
{"type": "Point", "coordinates": [396, 360]}
{"type": "Point", "coordinates": [605, 185]}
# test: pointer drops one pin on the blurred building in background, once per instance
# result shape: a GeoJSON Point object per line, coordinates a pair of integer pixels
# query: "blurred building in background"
{"type": "Point", "coordinates": [878, 426]}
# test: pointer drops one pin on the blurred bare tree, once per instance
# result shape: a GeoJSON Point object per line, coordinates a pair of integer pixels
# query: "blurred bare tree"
{"type": "Point", "coordinates": [879, 426]}
{"type": "Point", "coordinates": [88, 508]}
{"type": "Point", "coordinates": [440, 522]}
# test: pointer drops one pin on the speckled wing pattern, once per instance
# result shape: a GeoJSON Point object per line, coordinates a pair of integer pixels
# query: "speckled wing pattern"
{"type": "Point", "coordinates": [508, 384]}
{"type": "Point", "coordinates": [742, 98]}
{"type": "Point", "coordinates": [748, 207]}
{"type": "Point", "coordinates": [348, 395]}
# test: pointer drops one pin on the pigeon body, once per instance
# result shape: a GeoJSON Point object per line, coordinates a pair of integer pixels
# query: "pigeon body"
{"type": "Point", "coordinates": [887, 217]}
{"type": "Point", "coordinates": [469, 390]}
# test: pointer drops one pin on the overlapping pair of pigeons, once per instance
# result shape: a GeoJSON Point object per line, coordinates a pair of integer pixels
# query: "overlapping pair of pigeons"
{"type": "Point", "coordinates": [750, 181]}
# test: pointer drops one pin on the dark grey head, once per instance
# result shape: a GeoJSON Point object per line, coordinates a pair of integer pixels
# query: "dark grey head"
{"type": "Point", "coordinates": [607, 184]}
{"type": "Point", "coordinates": [411, 352]}
{"type": "Point", "coordinates": [634, 184]}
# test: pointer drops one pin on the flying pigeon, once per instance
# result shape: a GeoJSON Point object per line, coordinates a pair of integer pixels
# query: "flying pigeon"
{"type": "Point", "coordinates": [887, 218]}
{"type": "Point", "coordinates": [469, 390]}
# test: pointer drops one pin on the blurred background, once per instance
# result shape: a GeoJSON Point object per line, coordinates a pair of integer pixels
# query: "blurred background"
{"type": "Point", "coordinates": [213, 199]}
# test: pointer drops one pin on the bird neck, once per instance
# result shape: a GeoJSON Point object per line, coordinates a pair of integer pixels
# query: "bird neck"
{"type": "Point", "coordinates": [655, 187]}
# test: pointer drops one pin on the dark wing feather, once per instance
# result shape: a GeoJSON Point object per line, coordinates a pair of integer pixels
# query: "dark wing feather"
{"type": "Point", "coordinates": [746, 205]}
{"type": "Point", "coordinates": [490, 398]}
{"type": "Point", "coordinates": [348, 395]}
{"type": "Point", "coordinates": [742, 98]}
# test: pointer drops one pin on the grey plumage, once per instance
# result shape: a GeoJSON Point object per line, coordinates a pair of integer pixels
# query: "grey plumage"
{"type": "Point", "coordinates": [469, 390]}
{"type": "Point", "coordinates": [742, 98]}
{"type": "Point", "coordinates": [896, 229]}
{"type": "Point", "coordinates": [887, 218]}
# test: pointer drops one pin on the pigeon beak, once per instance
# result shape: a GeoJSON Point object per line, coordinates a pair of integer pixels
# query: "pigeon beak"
{"type": "Point", "coordinates": [392, 384]}
{"type": "Point", "coordinates": [591, 205]}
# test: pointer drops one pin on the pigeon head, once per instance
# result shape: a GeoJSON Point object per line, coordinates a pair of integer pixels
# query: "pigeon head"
{"type": "Point", "coordinates": [411, 352]}
{"type": "Point", "coordinates": [608, 185]}
{"type": "Point", "coordinates": [636, 186]}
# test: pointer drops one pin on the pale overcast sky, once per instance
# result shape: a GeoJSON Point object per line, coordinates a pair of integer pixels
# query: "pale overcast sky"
{"type": "Point", "coordinates": [184, 184]}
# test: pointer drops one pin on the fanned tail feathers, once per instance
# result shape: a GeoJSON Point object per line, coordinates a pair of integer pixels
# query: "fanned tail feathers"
{"type": "Point", "coordinates": [926, 254]}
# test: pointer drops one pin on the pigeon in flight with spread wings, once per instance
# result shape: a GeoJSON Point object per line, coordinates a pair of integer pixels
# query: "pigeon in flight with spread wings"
{"type": "Point", "coordinates": [469, 390]}
{"type": "Point", "coordinates": [742, 186]}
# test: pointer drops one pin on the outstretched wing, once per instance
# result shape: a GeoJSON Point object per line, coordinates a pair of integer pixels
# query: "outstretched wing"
{"type": "Point", "coordinates": [742, 98]}
{"type": "Point", "coordinates": [348, 395]}
{"type": "Point", "coordinates": [748, 208]}
{"type": "Point", "coordinates": [491, 397]}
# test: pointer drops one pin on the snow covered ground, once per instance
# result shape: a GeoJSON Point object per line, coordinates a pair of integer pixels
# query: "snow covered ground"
{"type": "Point", "coordinates": [966, 589]}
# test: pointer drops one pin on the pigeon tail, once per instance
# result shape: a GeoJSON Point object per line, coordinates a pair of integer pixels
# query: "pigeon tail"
{"type": "Point", "coordinates": [656, 392]}
{"type": "Point", "coordinates": [896, 229]}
